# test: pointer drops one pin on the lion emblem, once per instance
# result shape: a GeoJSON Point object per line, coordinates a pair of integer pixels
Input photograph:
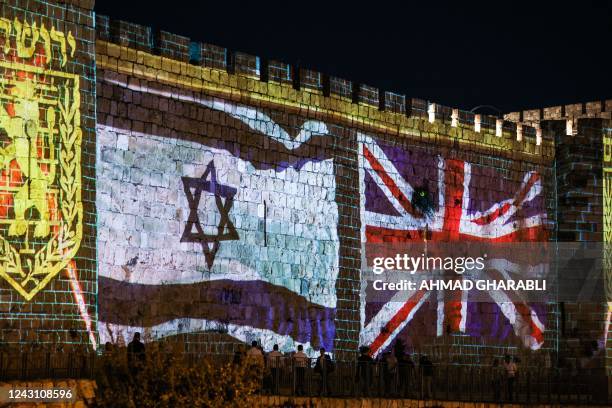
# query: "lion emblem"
{"type": "Point", "coordinates": [21, 122]}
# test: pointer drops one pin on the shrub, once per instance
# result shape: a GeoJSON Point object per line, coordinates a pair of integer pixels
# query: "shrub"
{"type": "Point", "coordinates": [167, 379]}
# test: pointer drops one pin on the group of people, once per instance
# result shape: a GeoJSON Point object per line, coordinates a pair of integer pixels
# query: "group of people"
{"type": "Point", "coordinates": [275, 361]}
{"type": "Point", "coordinates": [398, 372]}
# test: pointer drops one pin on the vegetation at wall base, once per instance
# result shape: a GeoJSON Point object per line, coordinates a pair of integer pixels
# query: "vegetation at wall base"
{"type": "Point", "coordinates": [165, 378]}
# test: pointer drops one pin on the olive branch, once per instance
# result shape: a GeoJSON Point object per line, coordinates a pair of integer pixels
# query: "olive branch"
{"type": "Point", "coordinates": [9, 259]}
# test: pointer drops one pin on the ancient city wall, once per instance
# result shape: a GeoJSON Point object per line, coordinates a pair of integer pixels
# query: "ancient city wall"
{"type": "Point", "coordinates": [290, 173]}
{"type": "Point", "coordinates": [199, 194]}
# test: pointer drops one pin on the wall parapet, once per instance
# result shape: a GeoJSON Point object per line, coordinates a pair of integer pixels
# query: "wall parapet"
{"type": "Point", "coordinates": [570, 113]}
{"type": "Point", "coordinates": [138, 50]}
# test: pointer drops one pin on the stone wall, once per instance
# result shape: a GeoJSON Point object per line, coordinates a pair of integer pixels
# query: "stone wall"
{"type": "Point", "coordinates": [47, 182]}
{"type": "Point", "coordinates": [274, 163]}
{"type": "Point", "coordinates": [278, 402]}
{"type": "Point", "coordinates": [234, 195]}
{"type": "Point", "coordinates": [581, 212]}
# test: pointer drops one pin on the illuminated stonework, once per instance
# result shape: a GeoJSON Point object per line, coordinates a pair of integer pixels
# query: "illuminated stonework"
{"type": "Point", "coordinates": [607, 226]}
{"type": "Point", "coordinates": [41, 212]}
{"type": "Point", "coordinates": [608, 229]}
{"type": "Point", "coordinates": [607, 216]}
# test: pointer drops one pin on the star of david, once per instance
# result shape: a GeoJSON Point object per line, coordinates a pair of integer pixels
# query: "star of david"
{"type": "Point", "coordinates": [224, 198]}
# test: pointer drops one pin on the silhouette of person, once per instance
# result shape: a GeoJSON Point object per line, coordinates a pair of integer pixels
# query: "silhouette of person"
{"type": "Point", "coordinates": [255, 360]}
{"type": "Point", "coordinates": [324, 367]}
{"type": "Point", "coordinates": [300, 362]}
{"type": "Point", "coordinates": [364, 371]}
{"type": "Point", "coordinates": [427, 375]}
{"type": "Point", "coordinates": [274, 362]}
{"type": "Point", "coordinates": [135, 354]}
{"type": "Point", "coordinates": [496, 380]}
{"type": "Point", "coordinates": [511, 371]}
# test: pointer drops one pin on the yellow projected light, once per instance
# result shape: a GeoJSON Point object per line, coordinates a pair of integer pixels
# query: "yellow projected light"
{"type": "Point", "coordinates": [607, 213]}
{"type": "Point", "coordinates": [41, 213]}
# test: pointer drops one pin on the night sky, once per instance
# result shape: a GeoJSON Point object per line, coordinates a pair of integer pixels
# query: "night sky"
{"type": "Point", "coordinates": [460, 54]}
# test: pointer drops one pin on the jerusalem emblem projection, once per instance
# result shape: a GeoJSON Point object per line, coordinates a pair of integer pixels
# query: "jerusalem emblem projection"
{"type": "Point", "coordinates": [40, 158]}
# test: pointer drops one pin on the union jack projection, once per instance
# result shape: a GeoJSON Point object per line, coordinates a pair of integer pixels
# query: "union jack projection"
{"type": "Point", "coordinates": [409, 196]}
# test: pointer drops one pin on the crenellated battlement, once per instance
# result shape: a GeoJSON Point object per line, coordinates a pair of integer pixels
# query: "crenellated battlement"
{"type": "Point", "coordinates": [209, 68]}
{"type": "Point", "coordinates": [570, 113]}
